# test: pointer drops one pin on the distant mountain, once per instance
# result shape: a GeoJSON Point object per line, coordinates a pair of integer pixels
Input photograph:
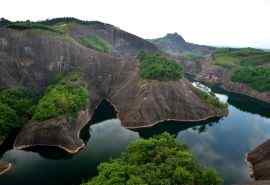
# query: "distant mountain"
{"type": "Point", "coordinates": [174, 44]}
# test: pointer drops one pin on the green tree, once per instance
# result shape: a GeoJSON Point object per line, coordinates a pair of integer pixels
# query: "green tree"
{"type": "Point", "coordinates": [160, 160]}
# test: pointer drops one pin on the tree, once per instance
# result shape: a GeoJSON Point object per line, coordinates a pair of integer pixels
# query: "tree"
{"type": "Point", "coordinates": [160, 160]}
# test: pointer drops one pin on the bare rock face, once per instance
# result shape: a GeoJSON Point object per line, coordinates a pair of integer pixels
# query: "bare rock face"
{"type": "Point", "coordinates": [32, 58]}
{"type": "Point", "coordinates": [4, 167]}
{"type": "Point", "coordinates": [260, 161]}
{"type": "Point", "coordinates": [61, 132]}
{"type": "Point", "coordinates": [122, 42]}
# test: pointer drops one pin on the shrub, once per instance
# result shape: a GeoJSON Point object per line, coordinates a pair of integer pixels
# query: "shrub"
{"type": "Point", "coordinates": [210, 99]}
{"type": "Point", "coordinates": [16, 105]}
{"type": "Point", "coordinates": [156, 161]}
{"type": "Point", "coordinates": [66, 97]}
{"type": "Point", "coordinates": [157, 67]}
{"type": "Point", "coordinates": [97, 43]}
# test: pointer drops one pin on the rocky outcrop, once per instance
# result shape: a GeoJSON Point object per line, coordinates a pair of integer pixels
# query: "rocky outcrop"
{"type": "Point", "coordinates": [260, 161]}
{"type": "Point", "coordinates": [32, 58]}
{"type": "Point", "coordinates": [4, 167]}
{"type": "Point", "coordinates": [62, 132]}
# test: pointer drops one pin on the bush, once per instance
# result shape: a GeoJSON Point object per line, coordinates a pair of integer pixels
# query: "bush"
{"type": "Point", "coordinates": [66, 97]}
{"type": "Point", "coordinates": [16, 105]}
{"type": "Point", "coordinates": [157, 67]}
{"type": "Point", "coordinates": [97, 43]}
{"type": "Point", "coordinates": [156, 161]}
{"type": "Point", "coordinates": [210, 99]}
{"type": "Point", "coordinates": [256, 77]}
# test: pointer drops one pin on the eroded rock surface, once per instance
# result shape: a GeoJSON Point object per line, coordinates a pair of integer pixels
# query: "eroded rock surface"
{"type": "Point", "coordinates": [32, 58]}
{"type": "Point", "coordinates": [260, 161]}
{"type": "Point", "coordinates": [4, 167]}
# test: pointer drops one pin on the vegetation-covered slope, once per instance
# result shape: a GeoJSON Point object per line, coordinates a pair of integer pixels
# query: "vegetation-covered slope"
{"type": "Point", "coordinates": [249, 66]}
{"type": "Point", "coordinates": [156, 161]}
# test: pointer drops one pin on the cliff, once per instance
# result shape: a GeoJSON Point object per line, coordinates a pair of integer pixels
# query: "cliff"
{"type": "Point", "coordinates": [32, 58]}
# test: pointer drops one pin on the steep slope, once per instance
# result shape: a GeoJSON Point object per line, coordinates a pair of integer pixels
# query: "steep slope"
{"type": "Point", "coordinates": [175, 45]}
{"type": "Point", "coordinates": [34, 58]}
{"type": "Point", "coordinates": [93, 34]}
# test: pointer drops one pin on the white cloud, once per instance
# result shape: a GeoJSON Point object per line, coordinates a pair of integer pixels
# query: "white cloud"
{"type": "Point", "coordinates": [214, 22]}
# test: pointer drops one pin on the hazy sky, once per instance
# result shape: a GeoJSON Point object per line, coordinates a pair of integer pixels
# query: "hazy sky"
{"type": "Point", "coordinates": [213, 22]}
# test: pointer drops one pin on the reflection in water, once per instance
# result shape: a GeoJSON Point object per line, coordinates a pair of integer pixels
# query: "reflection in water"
{"type": "Point", "coordinates": [220, 143]}
{"type": "Point", "coordinates": [108, 140]}
{"type": "Point", "coordinates": [223, 143]}
{"type": "Point", "coordinates": [245, 103]}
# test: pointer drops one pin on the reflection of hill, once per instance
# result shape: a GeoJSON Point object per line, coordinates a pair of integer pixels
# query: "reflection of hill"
{"type": "Point", "coordinates": [173, 127]}
{"type": "Point", "coordinates": [245, 103]}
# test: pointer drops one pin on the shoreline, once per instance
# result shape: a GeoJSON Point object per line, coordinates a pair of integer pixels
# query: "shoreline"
{"type": "Point", "coordinates": [6, 169]}
{"type": "Point", "coordinates": [176, 120]}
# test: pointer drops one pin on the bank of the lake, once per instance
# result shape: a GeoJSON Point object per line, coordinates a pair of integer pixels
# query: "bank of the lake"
{"type": "Point", "coordinates": [220, 143]}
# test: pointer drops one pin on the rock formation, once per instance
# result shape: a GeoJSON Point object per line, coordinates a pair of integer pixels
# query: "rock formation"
{"type": "Point", "coordinates": [32, 58]}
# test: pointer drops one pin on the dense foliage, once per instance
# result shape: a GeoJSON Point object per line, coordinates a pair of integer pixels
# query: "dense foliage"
{"type": "Point", "coordinates": [210, 99]}
{"type": "Point", "coordinates": [16, 105]}
{"type": "Point", "coordinates": [66, 97]}
{"type": "Point", "coordinates": [160, 160]}
{"type": "Point", "coordinates": [157, 67]}
{"type": "Point", "coordinates": [256, 77]}
{"type": "Point", "coordinates": [97, 43]}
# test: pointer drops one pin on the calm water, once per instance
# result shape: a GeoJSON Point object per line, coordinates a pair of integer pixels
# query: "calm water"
{"type": "Point", "coordinates": [220, 143]}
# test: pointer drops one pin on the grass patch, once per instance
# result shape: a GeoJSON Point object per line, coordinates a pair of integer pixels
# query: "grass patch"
{"type": "Point", "coordinates": [160, 160]}
{"type": "Point", "coordinates": [96, 43]}
{"type": "Point", "coordinates": [157, 67]}
{"type": "Point", "coordinates": [256, 77]}
{"type": "Point", "coordinates": [67, 97]}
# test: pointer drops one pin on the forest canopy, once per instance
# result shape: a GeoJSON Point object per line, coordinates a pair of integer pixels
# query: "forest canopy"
{"type": "Point", "coordinates": [160, 160]}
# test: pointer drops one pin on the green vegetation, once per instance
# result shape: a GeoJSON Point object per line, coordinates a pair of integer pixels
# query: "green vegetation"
{"type": "Point", "coordinates": [256, 77]}
{"type": "Point", "coordinates": [97, 43]}
{"type": "Point", "coordinates": [8, 120]}
{"type": "Point", "coordinates": [229, 57]}
{"type": "Point", "coordinates": [68, 97]}
{"type": "Point", "coordinates": [16, 105]}
{"type": "Point", "coordinates": [160, 160]}
{"type": "Point", "coordinates": [192, 56]}
{"type": "Point", "coordinates": [210, 99]}
{"type": "Point", "coordinates": [31, 25]}
{"type": "Point", "coordinates": [248, 65]}
{"type": "Point", "coordinates": [157, 67]}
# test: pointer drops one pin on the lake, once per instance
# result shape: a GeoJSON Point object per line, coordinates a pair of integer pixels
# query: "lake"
{"type": "Point", "coordinates": [219, 143]}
